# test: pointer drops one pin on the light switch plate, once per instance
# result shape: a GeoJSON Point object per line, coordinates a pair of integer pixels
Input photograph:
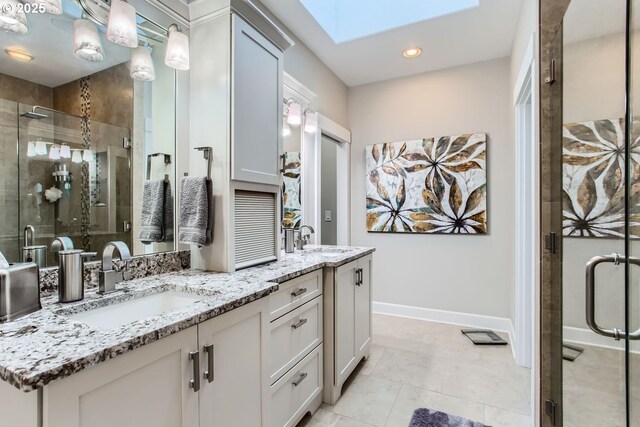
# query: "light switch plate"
{"type": "Point", "coordinates": [327, 216]}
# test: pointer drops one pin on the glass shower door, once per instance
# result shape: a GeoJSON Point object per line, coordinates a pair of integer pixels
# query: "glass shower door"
{"type": "Point", "coordinates": [597, 186]}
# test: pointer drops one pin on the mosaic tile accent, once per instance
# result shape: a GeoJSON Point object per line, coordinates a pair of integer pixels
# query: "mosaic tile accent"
{"type": "Point", "coordinates": [85, 112]}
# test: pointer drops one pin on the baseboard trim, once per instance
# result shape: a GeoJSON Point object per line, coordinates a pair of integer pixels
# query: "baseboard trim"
{"type": "Point", "coordinates": [499, 324]}
{"type": "Point", "coordinates": [588, 337]}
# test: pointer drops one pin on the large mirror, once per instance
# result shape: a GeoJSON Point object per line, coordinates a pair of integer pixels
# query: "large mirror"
{"type": "Point", "coordinates": [87, 128]}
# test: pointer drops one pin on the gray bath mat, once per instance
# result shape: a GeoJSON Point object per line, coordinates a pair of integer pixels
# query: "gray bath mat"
{"type": "Point", "coordinates": [424, 417]}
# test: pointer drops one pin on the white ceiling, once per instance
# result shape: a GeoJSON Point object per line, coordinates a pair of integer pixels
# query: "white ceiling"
{"type": "Point", "coordinates": [473, 35]}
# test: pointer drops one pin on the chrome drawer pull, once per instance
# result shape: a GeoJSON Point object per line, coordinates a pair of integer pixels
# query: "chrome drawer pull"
{"type": "Point", "coordinates": [298, 292]}
{"type": "Point", "coordinates": [194, 356]}
{"type": "Point", "coordinates": [301, 378]}
{"type": "Point", "coordinates": [208, 374]}
{"type": "Point", "coordinates": [300, 323]}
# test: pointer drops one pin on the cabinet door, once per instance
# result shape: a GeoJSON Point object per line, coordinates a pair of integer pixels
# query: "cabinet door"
{"type": "Point", "coordinates": [345, 356]}
{"type": "Point", "coordinates": [363, 306]}
{"type": "Point", "coordinates": [148, 387]}
{"type": "Point", "coordinates": [233, 396]}
{"type": "Point", "coordinates": [256, 104]}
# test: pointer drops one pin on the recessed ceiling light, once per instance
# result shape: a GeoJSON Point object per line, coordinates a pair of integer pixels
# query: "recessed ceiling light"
{"type": "Point", "coordinates": [412, 52]}
{"type": "Point", "coordinates": [18, 55]}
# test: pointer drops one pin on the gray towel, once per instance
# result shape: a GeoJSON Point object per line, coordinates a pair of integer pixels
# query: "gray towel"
{"type": "Point", "coordinates": [153, 218]}
{"type": "Point", "coordinates": [196, 211]}
{"type": "Point", "coordinates": [167, 231]}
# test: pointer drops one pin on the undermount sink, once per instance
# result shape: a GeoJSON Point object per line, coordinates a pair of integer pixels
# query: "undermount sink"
{"type": "Point", "coordinates": [118, 314]}
{"type": "Point", "coordinates": [327, 251]}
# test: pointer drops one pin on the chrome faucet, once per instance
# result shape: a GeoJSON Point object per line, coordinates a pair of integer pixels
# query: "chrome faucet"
{"type": "Point", "coordinates": [61, 243]}
{"type": "Point", "coordinates": [303, 239]}
{"type": "Point", "coordinates": [109, 277]}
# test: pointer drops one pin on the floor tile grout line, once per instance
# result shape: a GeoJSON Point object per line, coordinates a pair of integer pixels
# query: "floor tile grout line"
{"type": "Point", "coordinates": [386, 420]}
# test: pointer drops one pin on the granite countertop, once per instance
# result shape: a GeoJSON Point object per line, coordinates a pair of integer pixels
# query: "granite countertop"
{"type": "Point", "coordinates": [48, 345]}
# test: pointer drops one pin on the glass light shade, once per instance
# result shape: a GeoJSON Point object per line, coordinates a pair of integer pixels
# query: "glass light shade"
{"type": "Point", "coordinates": [122, 28]}
{"type": "Point", "coordinates": [295, 114]}
{"type": "Point", "coordinates": [65, 152]}
{"type": "Point", "coordinates": [86, 41]}
{"type": "Point", "coordinates": [76, 157]}
{"type": "Point", "coordinates": [12, 17]}
{"type": "Point", "coordinates": [41, 147]}
{"type": "Point", "coordinates": [54, 153]}
{"type": "Point", "coordinates": [177, 53]}
{"type": "Point", "coordinates": [31, 149]}
{"type": "Point", "coordinates": [87, 155]}
{"type": "Point", "coordinates": [310, 122]}
{"type": "Point", "coordinates": [286, 129]}
{"type": "Point", "coordinates": [53, 7]}
{"type": "Point", "coordinates": [141, 65]}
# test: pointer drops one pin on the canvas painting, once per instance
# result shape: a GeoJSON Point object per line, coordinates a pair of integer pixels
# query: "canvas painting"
{"type": "Point", "coordinates": [433, 186]}
{"type": "Point", "coordinates": [291, 195]}
{"type": "Point", "coordinates": [594, 189]}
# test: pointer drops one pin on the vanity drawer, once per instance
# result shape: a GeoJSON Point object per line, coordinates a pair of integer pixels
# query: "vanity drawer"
{"type": "Point", "coordinates": [293, 336]}
{"type": "Point", "coordinates": [295, 292]}
{"type": "Point", "coordinates": [291, 395]}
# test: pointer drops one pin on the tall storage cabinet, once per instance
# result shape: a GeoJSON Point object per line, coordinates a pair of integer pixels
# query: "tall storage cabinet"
{"type": "Point", "coordinates": [236, 81]}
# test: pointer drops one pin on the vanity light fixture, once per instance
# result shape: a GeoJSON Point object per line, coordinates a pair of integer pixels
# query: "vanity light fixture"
{"type": "Point", "coordinates": [31, 149]}
{"type": "Point", "coordinates": [310, 121]}
{"type": "Point", "coordinates": [18, 55]}
{"type": "Point", "coordinates": [12, 17]}
{"type": "Point", "coordinates": [53, 7]}
{"type": "Point", "coordinates": [412, 52]}
{"type": "Point", "coordinates": [121, 27]}
{"type": "Point", "coordinates": [76, 157]}
{"type": "Point", "coordinates": [294, 116]}
{"type": "Point", "coordinates": [286, 129]}
{"type": "Point", "coordinates": [41, 147]}
{"type": "Point", "coordinates": [87, 156]}
{"type": "Point", "coordinates": [65, 151]}
{"type": "Point", "coordinates": [177, 53]}
{"type": "Point", "coordinates": [141, 65]}
{"type": "Point", "coordinates": [54, 153]}
{"type": "Point", "coordinates": [86, 41]}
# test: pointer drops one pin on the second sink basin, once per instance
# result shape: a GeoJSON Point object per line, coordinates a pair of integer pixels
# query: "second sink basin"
{"type": "Point", "coordinates": [119, 314]}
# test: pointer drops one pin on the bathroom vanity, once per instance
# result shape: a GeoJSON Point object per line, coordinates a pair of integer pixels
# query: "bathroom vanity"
{"type": "Point", "coordinates": [258, 347]}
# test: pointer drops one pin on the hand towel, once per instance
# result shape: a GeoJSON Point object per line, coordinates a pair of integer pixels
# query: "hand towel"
{"type": "Point", "coordinates": [195, 211]}
{"type": "Point", "coordinates": [152, 220]}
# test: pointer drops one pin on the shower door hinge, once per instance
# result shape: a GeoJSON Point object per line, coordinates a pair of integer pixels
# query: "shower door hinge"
{"type": "Point", "coordinates": [550, 408]}
{"type": "Point", "coordinates": [126, 226]}
{"type": "Point", "coordinates": [126, 143]}
{"type": "Point", "coordinates": [551, 73]}
{"type": "Point", "coordinates": [551, 242]}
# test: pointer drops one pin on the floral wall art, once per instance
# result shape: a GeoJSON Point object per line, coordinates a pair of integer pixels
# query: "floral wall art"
{"type": "Point", "coordinates": [434, 186]}
{"type": "Point", "coordinates": [291, 198]}
{"type": "Point", "coordinates": [593, 184]}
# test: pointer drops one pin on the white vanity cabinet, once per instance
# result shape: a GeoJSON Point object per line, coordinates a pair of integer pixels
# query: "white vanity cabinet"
{"type": "Point", "coordinates": [347, 322]}
{"type": "Point", "coordinates": [295, 349]}
{"type": "Point", "coordinates": [209, 375]}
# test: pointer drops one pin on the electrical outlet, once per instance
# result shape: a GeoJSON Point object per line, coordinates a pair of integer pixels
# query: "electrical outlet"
{"type": "Point", "coordinates": [327, 216]}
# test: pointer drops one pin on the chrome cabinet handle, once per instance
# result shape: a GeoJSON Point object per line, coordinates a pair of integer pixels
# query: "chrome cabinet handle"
{"type": "Point", "coordinates": [194, 356]}
{"type": "Point", "coordinates": [590, 286]}
{"type": "Point", "coordinates": [301, 378]}
{"type": "Point", "coordinates": [209, 373]}
{"type": "Point", "coordinates": [300, 323]}
{"type": "Point", "coordinates": [358, 277]}
{"type": "Point", "coordinates": [298, 292]}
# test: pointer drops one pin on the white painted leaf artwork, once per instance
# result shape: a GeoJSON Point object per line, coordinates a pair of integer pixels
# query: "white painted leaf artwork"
{"type": "Point", "coordinates": [433, 186]}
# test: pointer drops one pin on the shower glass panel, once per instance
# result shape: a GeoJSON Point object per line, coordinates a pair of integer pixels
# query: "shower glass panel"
{"type": "Point", "coordinates": [595, 220]}
{"type": "Point", "coordinates": [68, 189]}
{"type": "Point", "coordinates": [9, 196]}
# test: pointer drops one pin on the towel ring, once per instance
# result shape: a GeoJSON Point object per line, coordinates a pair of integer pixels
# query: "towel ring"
{"type": "Point", "coordinates": [207, 153]}
{"type": "Point", "coordinates": [167, 161]}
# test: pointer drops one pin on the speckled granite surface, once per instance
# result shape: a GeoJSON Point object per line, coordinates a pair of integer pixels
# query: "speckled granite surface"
{"type": "Point", "coordinates": [47, 345]}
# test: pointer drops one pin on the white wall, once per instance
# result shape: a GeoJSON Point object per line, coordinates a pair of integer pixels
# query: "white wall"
{"type": "Point", "coordinates": [469, 274]}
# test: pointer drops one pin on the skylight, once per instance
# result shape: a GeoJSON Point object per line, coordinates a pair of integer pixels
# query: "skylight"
{"type": "Point", "coordinates": [346, 20]}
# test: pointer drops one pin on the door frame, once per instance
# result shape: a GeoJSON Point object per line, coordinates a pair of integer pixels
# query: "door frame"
{"type": "Point", "coordinates": [311, 178]}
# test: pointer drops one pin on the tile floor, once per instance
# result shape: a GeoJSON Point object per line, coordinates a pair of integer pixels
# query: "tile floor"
{"type": "Point", "coordinates": [415, 364]}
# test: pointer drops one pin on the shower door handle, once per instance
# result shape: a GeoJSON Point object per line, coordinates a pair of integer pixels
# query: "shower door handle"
{"type": "Point", "coordinates": [615, 259]}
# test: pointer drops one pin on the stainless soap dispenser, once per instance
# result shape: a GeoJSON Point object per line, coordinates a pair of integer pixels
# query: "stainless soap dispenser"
{"type": "Point", "coordinates": [71, 274]}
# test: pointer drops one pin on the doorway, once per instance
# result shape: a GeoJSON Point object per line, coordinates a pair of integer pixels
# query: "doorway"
{"type": "Point", "coordinates": [328, 189]}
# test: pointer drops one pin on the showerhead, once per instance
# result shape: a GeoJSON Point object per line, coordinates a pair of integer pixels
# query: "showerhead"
{"type": "Point", "coordinates": [34, 115]}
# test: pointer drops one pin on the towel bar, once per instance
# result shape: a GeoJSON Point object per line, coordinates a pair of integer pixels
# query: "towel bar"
{"type": "Point", "coordinates": [207, 153]}
{"type": "Point", "coordinates": [167, 161]}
